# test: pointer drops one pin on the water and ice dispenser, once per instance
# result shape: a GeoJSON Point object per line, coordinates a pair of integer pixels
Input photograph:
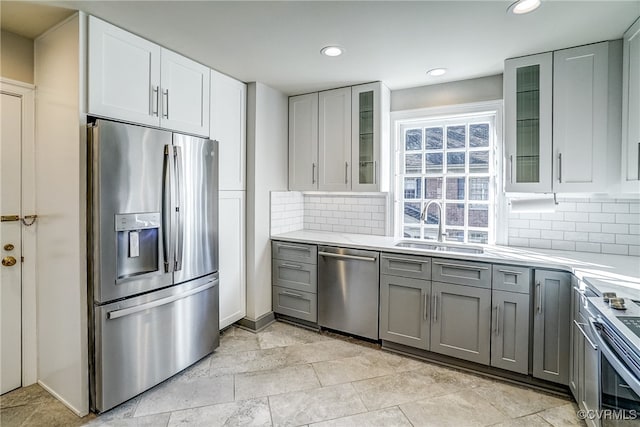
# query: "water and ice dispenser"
{"type": "Point", "coordinates": [137, 243]}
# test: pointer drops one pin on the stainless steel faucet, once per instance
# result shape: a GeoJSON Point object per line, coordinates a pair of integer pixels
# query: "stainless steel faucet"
{"type": "Point", "coordinates": [441, 232]}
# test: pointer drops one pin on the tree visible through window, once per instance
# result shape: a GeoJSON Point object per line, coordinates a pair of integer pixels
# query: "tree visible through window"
{"type": "Point", "coordinates": [450, 160]}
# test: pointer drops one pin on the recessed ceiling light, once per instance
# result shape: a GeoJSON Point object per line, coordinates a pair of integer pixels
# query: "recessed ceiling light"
{"type": "Point", "coordinates": [435, 72]}
{"type": "Point", "coordinates": [332, 51]}
{"type": "Point", "coordinates": [524, 6]}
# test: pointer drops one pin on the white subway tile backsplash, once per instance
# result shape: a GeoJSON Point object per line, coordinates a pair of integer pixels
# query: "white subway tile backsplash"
{"type": "Point", "coordinates": [598, 224]}
{"type": "Point", "coordinates": [347, 213]}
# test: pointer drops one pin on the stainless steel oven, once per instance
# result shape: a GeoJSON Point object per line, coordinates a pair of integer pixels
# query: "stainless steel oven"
{"type": "Point", "coordinates": [619, 371]}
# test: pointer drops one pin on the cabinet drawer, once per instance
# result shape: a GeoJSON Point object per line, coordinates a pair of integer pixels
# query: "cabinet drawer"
{"type": "Point", "coordinates": [512, 279]}
{"type": "Point", "coordinates": [461, 272]}
{"type": "Point", "coordinates": [294, 275]}
{"type": "Point", "coordinates": [302, 305]}
{"type": "Point", "coordinates": [415, 267]}
{"type": "Point", "coordinates": [295, 252]}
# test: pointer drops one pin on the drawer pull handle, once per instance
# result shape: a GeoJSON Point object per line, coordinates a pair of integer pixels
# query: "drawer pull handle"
{"type": "Point", "coordinates": [426, 305]}
{"type": "Point", "coordinates": [408, 261]}
{"type": "Point", "coordinates": [510, 272]}
{"type": "Point", "coordinates": [292, 266]}
{"type": "Point", "coordinates": [465, 267]}
{"type": "Point", "coordinates": [291, 294]}
{"type": "Point", "coordinates": [586, 337]}
{"type": "Point", "coordinates": [354, 257]}
{"type": "Point", "coordinates": [296, 248]}
{"type": "Point", "coordinates": [157, 303]}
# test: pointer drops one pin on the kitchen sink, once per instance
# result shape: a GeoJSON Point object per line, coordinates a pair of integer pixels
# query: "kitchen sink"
{"type": "Point", "coordinates": [440, 247]}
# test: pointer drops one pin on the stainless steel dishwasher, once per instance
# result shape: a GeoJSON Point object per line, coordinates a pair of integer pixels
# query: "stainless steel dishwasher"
{"type": "Point", "coordinates": [348, 290]}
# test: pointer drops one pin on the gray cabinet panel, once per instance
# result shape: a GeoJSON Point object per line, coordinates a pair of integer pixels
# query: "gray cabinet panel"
{"type": "Point", "coordinates": [295, 252]}
{"type": "Point", "coordinates": [510, 336]}
{"type": "Point", "coordinates": [461, 272]}
{"type": "Point", "coordinates": [461, 321]}
{"type": "Point", "coordinates": [551, 331]}
{"type": "Point", "coordinates": [302, 305]}
{"type": "Point", "coordinates": [404, 311]}
{"type": "Point", "coordinates": [294, 275]}
{"type": "Point", "coordinates": [416, 267]}
{"type": "Point", "coordinates": [511, 278]}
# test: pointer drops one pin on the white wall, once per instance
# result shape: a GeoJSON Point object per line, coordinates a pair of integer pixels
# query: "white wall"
{"type": "Point", "coordinates": [267, 170]}
{"type": "Point", "coordinates": [61, 199]}
{"type": "Point", "coordinates": [453, 93]}
{"type": "Point", "coordinates": [16, 57]}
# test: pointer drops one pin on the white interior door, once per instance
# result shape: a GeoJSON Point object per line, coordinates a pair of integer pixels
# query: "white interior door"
{"type": "Point", "coordinates": [11, 244]}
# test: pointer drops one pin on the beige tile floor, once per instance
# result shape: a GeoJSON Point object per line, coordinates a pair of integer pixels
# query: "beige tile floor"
{"type": "Point", "coordinates": [289, 376]}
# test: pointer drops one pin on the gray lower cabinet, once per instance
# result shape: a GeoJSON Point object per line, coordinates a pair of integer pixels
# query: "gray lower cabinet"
{"type": "Point", "coordinates": [461, 321]}
{"type": "Point", "coordinates": [404, 310]}
{"type": "Point", "coordinates": [294, 280]}
{"type": "Point", "coordinates": [510, 331]}
{"type": "Point", "coordinates": [294, 303]}
{"type": "Point", "coordinates": [551, 326]}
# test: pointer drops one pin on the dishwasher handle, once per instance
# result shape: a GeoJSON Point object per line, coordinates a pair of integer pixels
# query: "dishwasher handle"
{"type": "Point", "coordinates": [343, 256]}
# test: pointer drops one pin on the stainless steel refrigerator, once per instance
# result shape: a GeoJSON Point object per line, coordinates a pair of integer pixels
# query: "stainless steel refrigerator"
{"type": "Point", "coordinates": [153, 257]}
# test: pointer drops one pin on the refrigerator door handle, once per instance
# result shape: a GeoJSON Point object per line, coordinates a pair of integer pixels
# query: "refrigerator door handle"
{"type": "Point", "coordinates": [179, 214]}
{"type": "Point", "coordinates": [115, 314]}
{"type": "Point", "coordinates": [166, 208]}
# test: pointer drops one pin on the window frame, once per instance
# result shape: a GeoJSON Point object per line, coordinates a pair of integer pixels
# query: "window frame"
{"type": "Point", "coordinates": [401, 120]}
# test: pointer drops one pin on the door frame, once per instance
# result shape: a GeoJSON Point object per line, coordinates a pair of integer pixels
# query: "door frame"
{"type": "Point", "coordinates": [26, 92]}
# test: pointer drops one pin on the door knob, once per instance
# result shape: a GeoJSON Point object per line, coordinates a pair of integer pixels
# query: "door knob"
{"type": "Point", "coordinates": [8, 261]}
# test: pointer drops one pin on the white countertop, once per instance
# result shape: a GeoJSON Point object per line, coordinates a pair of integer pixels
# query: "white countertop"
{"type": "Point", "coordinates": [607, 273]}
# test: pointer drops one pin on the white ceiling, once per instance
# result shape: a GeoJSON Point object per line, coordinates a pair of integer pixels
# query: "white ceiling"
{"type": "Point", "coordinates": [278, 43]}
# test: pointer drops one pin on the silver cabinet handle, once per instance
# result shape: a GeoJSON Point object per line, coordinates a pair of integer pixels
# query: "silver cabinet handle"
{"type": "Point", "coordinates": [346, 173]}
{"type": "Point", "coordinates": [291, 294]}
{"type": "Point", "coordinates": [511, 168]}
{"type": "Point", "coordinates": [493, 320]}
{"type": "Point", "coordinates": [464, 267]}
{"type": "Point", "coordinates": [165, 100]}
{"type": "Point", "coordinates": [295, 248]}
{"type": "Point", "coordinates": [293, 266]}
{"type": "Point", "coordinates": [560, 167]}
{"type": "Point", "coordinates": [638, 161]}
{"type": "Point", "coordinates": [313, 173]}
{"type": "Point", "coordinates": [426, 304]}
{"type": "Point", "coordinates": [375, 172]}
{"type": "Point", "coordinates": [435, 308]}
{"type": "Point", "coordinates": [586, 337]}
{"type": "Point", "coordinates": [538, 297]}
{"type": "Point", "coordinates": [157, 303]}
{"type": "Point", "coordinates": [354, 257]}
{"type": "Point", "coordinates": [408, 261]}
{"type": "Point", "coordinates": [498, 320]}
{"type": "Point", "coordinates": [179, 208]}
{"type": "Point", "coordinates": [510, 272]}
{"type": "Point", "coordinates": [154, 100]}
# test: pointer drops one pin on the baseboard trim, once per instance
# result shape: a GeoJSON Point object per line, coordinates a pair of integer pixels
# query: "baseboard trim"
{"type": "Point", "coordinates": [259, 324]}
{"type": "Point", "coordinates": [73, 409]}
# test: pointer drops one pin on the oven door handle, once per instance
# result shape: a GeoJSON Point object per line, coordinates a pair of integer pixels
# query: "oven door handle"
{"type": "Point", "coordinates": [616, 363]}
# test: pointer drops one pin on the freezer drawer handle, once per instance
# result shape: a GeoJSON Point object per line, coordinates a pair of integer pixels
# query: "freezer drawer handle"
{"type": "Point", "coordinates": [354, 257]}
{"type": "Point", "coordinates": [162, 301]}
{"type": "Point", "coordinates": [465, 267]}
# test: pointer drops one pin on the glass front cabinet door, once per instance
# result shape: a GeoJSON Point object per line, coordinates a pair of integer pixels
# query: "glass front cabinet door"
{"type": "Point", "coordinates": [528, 123]}
{"type": "Point", "coordinates": [370, 135]}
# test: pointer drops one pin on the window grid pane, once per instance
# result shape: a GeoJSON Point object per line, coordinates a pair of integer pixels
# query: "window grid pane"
{"type": "Point", "coordinates": [452, 161]}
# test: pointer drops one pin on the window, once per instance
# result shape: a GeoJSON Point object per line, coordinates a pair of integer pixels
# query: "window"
{"type": "Point", "coordinates": [451, 159]}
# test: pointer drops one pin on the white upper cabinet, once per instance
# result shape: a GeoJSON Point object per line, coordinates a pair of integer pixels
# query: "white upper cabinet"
{"type": "Point", "coordinates": [303, 142]}
{"type": "Point", "coordinates": [528, 83]}
{"type": "Point", "coordinates": [185, 94]}
{"type": "Point", "coordinates": [370, 105]}
{"type": "Point", "coordinates": [124, 74]}
{"type": "Point", "coordinates": [135, 80]}
{"type": "Point", "coordinates": [562, 120]}
{"type": "Point", "coordinates": [585, 151]}
{"type": "Point", "coordinates": [228, 127]}
{"type": "Point", "coordinates": [631, 110]}
{"type": "Point", "coordinates": [334, 140]}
